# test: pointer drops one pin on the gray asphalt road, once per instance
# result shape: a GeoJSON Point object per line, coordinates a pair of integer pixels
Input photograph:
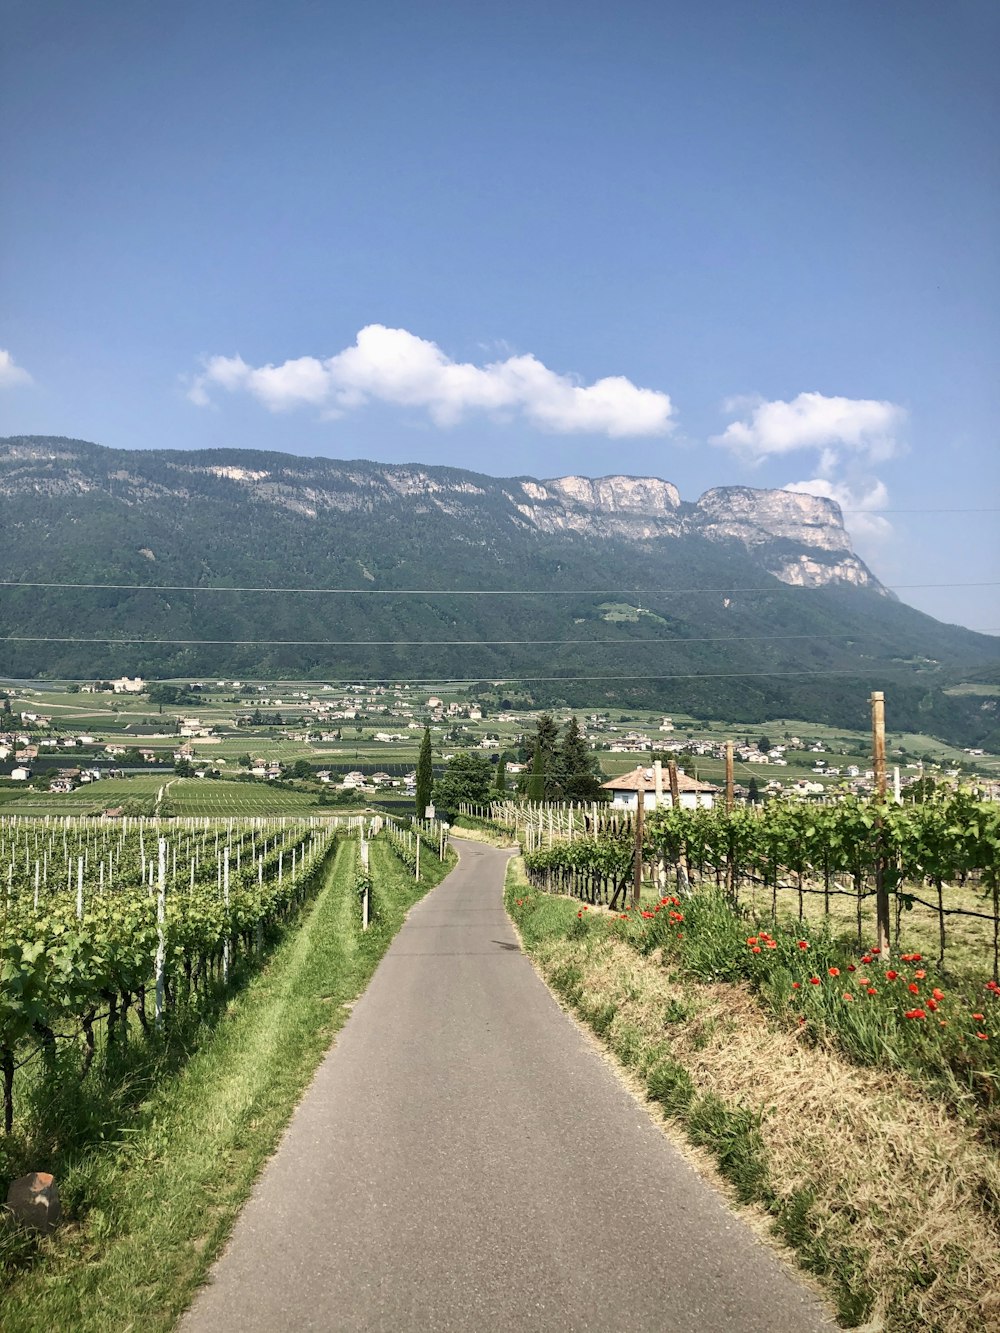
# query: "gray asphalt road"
{"type": "Point", "coordinates": [465, 1160]}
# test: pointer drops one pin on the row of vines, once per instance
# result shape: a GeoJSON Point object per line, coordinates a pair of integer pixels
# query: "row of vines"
{"type": "Point", "coordinates": [95, 916]}
{"type": "Point", "coordinates": [923, 852]}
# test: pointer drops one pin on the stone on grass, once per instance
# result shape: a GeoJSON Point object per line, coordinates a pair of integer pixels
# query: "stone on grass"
{"type": "Point", "coordinates": [34, 1201]}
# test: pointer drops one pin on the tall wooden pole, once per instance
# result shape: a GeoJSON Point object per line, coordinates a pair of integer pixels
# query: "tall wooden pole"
{"type": "Point", "coordinates": [640, 813]}
{"type": "Point", "coordinates": [882, 913]}
{"type": "Point", "coordinates": [878, 742]}
{"type": "Point", "coordinates": [729, 775]}
{"type": "Point", "coordinates": [675, 796]}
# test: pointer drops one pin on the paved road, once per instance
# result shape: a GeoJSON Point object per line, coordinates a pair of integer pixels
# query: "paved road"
{"type": "Point", "coordinates": [464, 1160]}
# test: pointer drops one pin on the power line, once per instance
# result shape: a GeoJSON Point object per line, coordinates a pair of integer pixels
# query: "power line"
{"type": "Point", "coordinates": [458, 592]}
{"type": "Point", "coordinates": [921, 511]}
{"type": "Point", "coordinates": [436, 643]}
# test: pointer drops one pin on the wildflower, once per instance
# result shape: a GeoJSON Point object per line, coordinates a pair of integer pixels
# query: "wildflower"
{"type": "Point", "coordinates": [867, 958]}
{"type": "Point", "coordinates": [579, 914]}
{"type": "Point", "coordinates": [802, 1018]}
{"type": "Point", "coordinates": [978, 1017]}
{"type": "Point", "coordinates": [983, 1036]}
{"type": "Point", "coordinates": [848, 995]}
{"type": "Point", "coordinates": [796, 985]}
{"type": "Point", "coordinates": [914, 1013]}
{"type": "Point", "coordinates": [863, 981]}
{"type": "Point", "coordinates": [803, 944]}
{"type": "Point", "coordinates": [932, 1005]}
{"type": "Point", "coordinates": [851, 967]}
{"type": "Point", "coordinates": [915, 958]}
{"type": "Point", "coordinates": [942, 1023]}
{"type": "Point", "coordinates": [751, 941]}
{"type": "Point", "coordinates": [914, 988]}
{"type": "Point", "coordinates": [938, 994]}
{"type": "Point", "coordinates": [833, 971]}
{"type": "Point", "coordinates": [680, 934]}
{"type": "Point", "coordinates": [814, 981]}
{"type": "Point", "coordinates": [874, 950]}
{"type": "Point", "coordinates": [586, 907]}
{"type": "Point", "coordinates": [664, 901]}
{"type": "Point", "coordinates": [771, 944]}
{"type": "Point", "coordinates": [755, 949]}
{"type": "Point", "coordinates": [920, 974]}
{"type": "Point", "coordinates": [872, 990]}
{"type": "Point", "coordinates": [890, 975]}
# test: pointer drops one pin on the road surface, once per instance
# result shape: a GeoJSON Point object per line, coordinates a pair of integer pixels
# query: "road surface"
{"type": "Point", "coordinates": [465, 1160]}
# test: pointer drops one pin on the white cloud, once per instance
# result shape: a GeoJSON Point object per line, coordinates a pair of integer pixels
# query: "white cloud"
{"type": "Point", "coordinates": [834, 427]}
{"type": "Point", "coordinates": [856, 500]}
{"type": "Point", "coordinates": [395, 366]}
{"type": "Point", "coordinates": [11, 374]}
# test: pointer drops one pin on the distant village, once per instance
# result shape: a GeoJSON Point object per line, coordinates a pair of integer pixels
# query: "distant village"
{"type": "Point", "coordinates": [320, 714]}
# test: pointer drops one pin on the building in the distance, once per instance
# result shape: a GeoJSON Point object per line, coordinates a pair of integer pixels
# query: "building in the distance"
{"type": "Point", "coordinates": [655, 786]}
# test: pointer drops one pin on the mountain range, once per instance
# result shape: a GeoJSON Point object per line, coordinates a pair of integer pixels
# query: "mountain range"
{"type": "Point", "coordinates": [747, 604]}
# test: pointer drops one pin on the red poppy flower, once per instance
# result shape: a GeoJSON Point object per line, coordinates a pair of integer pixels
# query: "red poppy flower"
{"type": "Point", "coordinates": [891, 976]}
{"type": "Point", "coordinates": [874, 950]}
{"type": "Point", "coordinates": [814, 981]}
{"type": "Point", "coordinates": [978, 1017]}
{"type": "Point", "coordinates": [751, 941]}
{"type": "Point", "coordinates": [983, 1036]}
{"type": "Point", "coordinates": [914, 988]}
{"type": "Point", "coordinates": [872, 990]}
{"type": "Point", "coordinates": [920, 974]}
{"type": "Point", "coordinates": [914, 1013]}
{"type": "Point", "coordinates": [803, 944]}
{"type": "Point", "coordinates": [755, 949]}
{"type": "Point", "coordinates": [848, 995]}
{"type": "Point", "coordinates": [771, 944]}
{"type": "Point", "coordinates": [938, 994]}
{"type": "Point", "coordinates": [867, 958]}
{"type": "Point", "coordinates": [680, 934]}
{"type": "Point", "coordinates": [833, 971]}
{"type": "Point", "coordinates": [796, 985]}
{"type": "Point", "coordinates": [851, 967]}
{"type": "Point", "coordinates": [932, 1005]}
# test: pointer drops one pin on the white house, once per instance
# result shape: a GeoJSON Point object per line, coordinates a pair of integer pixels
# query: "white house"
{"type": "Point", "coordinates": [126, 685]}
{"type": "Point", "coordinates": [653, 783]}
{"type": "Point", "coordinates": [21, 774]}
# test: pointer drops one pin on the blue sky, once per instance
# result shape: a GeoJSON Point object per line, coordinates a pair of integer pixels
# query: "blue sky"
{"type": "Point", "coordinates": [721, 244]}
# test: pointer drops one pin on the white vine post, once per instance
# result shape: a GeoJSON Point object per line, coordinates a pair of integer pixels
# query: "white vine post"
{"type": "Point", "coordinates": [161, 934]}
{"type": "Point", "coordinates": [365, 906]}
{"type": "Point", "coordinates": [416, 872]}
{"type": "Point", "coordinates": [79, 888]}
{"type": "Point", "coordinates": [225, 902]}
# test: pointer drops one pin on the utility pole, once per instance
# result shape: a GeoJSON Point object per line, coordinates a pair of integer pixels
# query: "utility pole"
{"type": "Point", "coordinates": [882, 913]}
{"type": "Point", "coordinates": [640, 812]}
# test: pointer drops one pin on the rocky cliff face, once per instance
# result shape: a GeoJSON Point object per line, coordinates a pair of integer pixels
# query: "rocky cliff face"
{"type": "Point", "coordinates": [800, 539]}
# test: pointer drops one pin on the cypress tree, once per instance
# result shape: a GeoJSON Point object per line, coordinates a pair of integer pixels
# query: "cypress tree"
{"type": "Point", "coordinates": [536, 783]}
{"type": "Point", "coordinates": [425, 774]}
{"type": "Point", "coordinates": [501, 779]}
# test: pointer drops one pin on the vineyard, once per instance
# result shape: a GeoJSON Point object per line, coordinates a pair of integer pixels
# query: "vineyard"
{"type": "Point", "coordinates": [108, 929]}
{"type": "Point", "coordinates": [940, 860]}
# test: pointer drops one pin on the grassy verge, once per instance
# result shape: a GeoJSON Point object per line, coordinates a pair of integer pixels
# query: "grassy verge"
{"type": "Point", "coordinates": [887, 1198]}
{"type": "Point", "coordinates": [483, 830]}
{"type": "Point", "coordinates": [150, 1207]}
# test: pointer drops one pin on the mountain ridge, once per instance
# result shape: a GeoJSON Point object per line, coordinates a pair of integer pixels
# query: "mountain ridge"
{"type": "Point", "coordinates": [701, 610]}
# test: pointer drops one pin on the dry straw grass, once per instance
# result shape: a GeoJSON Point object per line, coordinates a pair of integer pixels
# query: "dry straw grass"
{"type": "Point", "coordinates": [909, 1190]}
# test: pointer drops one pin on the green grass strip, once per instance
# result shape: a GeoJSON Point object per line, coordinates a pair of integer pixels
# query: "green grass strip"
{"type": "Point", "coordinates": [150, 1211]}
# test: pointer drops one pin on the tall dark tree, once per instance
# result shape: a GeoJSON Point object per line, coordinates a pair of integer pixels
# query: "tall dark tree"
{"type": "Point", "coordinates": [753, 791]}
{"type": "Point", "coordinates": [536, 783]}
{"type": "Point", "coordinates": [576, 772]}
{"type": "Point", "coordinates": [500, 785]}
{"type": "Point", "coordinates": [425, 775]}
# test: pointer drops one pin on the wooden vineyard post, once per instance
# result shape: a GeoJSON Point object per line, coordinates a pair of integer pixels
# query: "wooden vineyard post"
{"type": "Point", "coordinates": [161, 934]}
{"type": "Point", "coordinates": [640, 810]}
{"type": "Point", "coordinates": [883, 919]}
{"type": "Point", "coordinates": [225, 902]}
{"type": "Point", "coordinates": [730, 859]}
{"type": "Point", "coordinates": [675, 804]}
{"type": "Point", "coordinates": [416, 872]}
{"type": "Point", "coordinates": [365, 903]}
